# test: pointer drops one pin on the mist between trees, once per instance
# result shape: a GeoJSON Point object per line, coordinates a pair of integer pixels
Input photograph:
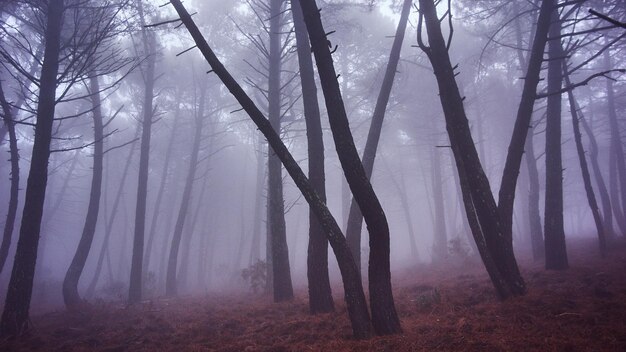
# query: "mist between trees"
{"type": "Point", "coordinates": [167, 150]}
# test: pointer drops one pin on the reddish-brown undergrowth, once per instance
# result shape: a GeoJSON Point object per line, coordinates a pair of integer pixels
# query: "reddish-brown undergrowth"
{"type": "Point", "coordinates": [581, 309]}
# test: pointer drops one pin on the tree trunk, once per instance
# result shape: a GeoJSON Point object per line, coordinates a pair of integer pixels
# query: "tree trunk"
{"type": "Point", "coordinates": [479, 199]}
{"type": "Point", "coordinates": [159, 198]}
{"type": "Point", "coordinates": [171, 287]}
{"type": "Point", "coordinates": [277, 231]}
{"type": "Point", "coordinates": [355, 217]}
{"type": "Point", "coordinates": [9, 125]}
{"type": "Point", "coordinates": [75, 270]}
{"type": "Point", "coordinates": [136, 270]}
{"type": "Point", "coordinates": [440, 240]}
{"type": "Point", "coordinates": [534, 217]}
{"type": "Point", "coordinates": [384, 317]}
{"type": "Point", "coordinates": [15, 315]}
{"type": "Point", "coordinates": [354, 296]}
{"type": "Point", "coordinates": [556, 254]}
{"type": "Point", "coordinates": [616, 147]}
{"type": "Point", "coordinates": [255, 247]}
{"type": "Point", "coordinates": [607, 211]}
{"type": "Point", "coordinates": [591, 197]}
{"type": "Point", "coordinates": [320, 295]}
{"type": "Point", "coordinates": [109, 221]}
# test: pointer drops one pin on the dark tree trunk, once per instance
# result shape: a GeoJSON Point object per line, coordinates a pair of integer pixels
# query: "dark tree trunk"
{"type": "Point", "coordinates": [591, 197]}
{"type": "Point", "coordinates": [617, 150]}
{"type": "Point", "coordinates": [440, 241]}
{"type": "Point", "coordinates": [607, 211]}
{"type": "Point", "coordinates": [320, 295]}
{"type": "Point", "coordinates": [255, 246]}
{"type": "Point", "coordinates": [159, 199]}
{"type": "Point", "coordinates": [505, 274]}
{"type": "Point", "coordinates": [15, 315]}
{"type": "Point", "coordinates": [9, 125]}
{"type": "Point", "coordinates": [75, 270]}
{"type": "Point", "coordinates": [556, 254]}
{"type": "Point", "coordinates": [171, 287]}
{"type": "Point", "coordinates": [277, 231]}
{"type": "Point", "coordinates": [136, 270]}
{"type": "Point", "coordinates": [384, 317]}
{"type": "Point", "coordinates": [108, 225]}
{"type": "Point", "coordinates": [354, 296]}
{"type": "Point", "coordinates": [355, 217]}
{"type": "Point", "coordinates": [534, 216]}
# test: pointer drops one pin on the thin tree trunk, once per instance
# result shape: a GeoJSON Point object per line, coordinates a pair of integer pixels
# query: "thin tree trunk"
{"type": "Point", "coordinates": [320, 294]}
{"type": "Point", "coordinates": [354, 296]}
{"type": "Point", "coordinates": [355, 218]}
{"type": "Point", "coordinates": [591, 197]}
{"type": "Point", "coordinates": [440, 241]}
{"type": "Point", "coordinates": [171, 285]}
{"type": "Point", "coordinates": [556, 254]}
{"type": "Point", "coordinates": [136, 269]}
{"type": "Point", "coordinates": [277, 232]}
{"type": "Point", "coordinates": [75, 270]}
{"type": "Point", "coordinates": [9, 124]}
{"type": "Point", "coordinates": [159, 198]}
{"type": "Point", "coordinates": [255, 247]}
{"type": "Point", "coordinates": [617, 150]}
{"type": "Point", "coordinates": [15, 314]}
{"type": "Point", "coordinates": [534, 216]}
{"type": "Point", "coordinates": [607, 210]}
{"type": "Point", "coordinates": [384, 316]}
{"type": "Point", "coordinates": [108, 225]}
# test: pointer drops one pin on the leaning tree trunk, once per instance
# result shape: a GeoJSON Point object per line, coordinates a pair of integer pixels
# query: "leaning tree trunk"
{"type": "Point", "coordinates": [75, 270]}
{"type": "Point", "coordinates": [607, 211]}
{"type": "Point", "coordinates": [495, 232]}
{"type": "Point", "coordinates": [320, 295]}
{"type": "Point", "coordinates": [354, 296]}
{"type": "Point", "coordinates": [591, 197]}
{"type": "Point", "coordinates": [108, 225]}
{"type": "Point", "coordinates": [384, 316]}
{"type": "Point", "coordinates": [171, 287]}
{"type": "Point", "coordinates": [556, 254]}
{"type": "Point", "coordinates": [136, 270]}
{"type": "Point", "coordinates": [9, 124]}
{"type": "Point", "coordinates": [15, 315]}
{"type": "Point", "coordinates": [159, 199]}
{"type": "Point", "coordinates": [355, 217]}
{"type": "Point", "coordinates": [617, 149]}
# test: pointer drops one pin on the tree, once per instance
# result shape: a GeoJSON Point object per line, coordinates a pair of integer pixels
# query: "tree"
{"type": "Point", "coordinates": [556, 254]}
{"type": "Point", "coordinates": [15, 314]}
{"type": "Point", "coordinates": [354, 296]}
{"type": "Point", "coordinates": [70, 283]}
{"type": "Point", "coordinates": [355, 217]}
{"type": "Point", "coordinates": [148, 73]}
{"type": "Point", "coordinates": [320, 295]}
{"type": "Point", "coordinates": [384, 316]}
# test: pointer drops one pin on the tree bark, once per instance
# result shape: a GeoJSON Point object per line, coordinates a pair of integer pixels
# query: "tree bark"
{"type": "Point", "coordinates": [320, 294]}
{"type": "Point", "coordinates": [607, 211]}
{"type": "Point", "coordinates": [9, 125]}
{"type": "Point", "coordinates": [355, 217]}
{"type": "Point", "coordinates": [556, 254]}
{"type": "Point", "coordinates": [136, 269]}
{"type": "Point", "coordinates": [171, 286]}
{"type": "Point", "coordinates": [15, 315]}
{"type": "Point", "coordinates": [354, 296]}
{"type": "Point", "coordinates": [384, 317]}
{"type": "Point", "coordinates": [591, 197]}
{"type": "Point", "coordinates": [75, 270]}
{"type": "Point", "coordinates": [277, 231]}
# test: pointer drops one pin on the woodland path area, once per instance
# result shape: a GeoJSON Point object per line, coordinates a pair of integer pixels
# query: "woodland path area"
{"type": "Point", "coordinates": [581, 309]}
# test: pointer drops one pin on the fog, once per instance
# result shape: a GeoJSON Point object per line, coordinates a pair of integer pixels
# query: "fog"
{"type": "Point", "coordinates": [223, 225]}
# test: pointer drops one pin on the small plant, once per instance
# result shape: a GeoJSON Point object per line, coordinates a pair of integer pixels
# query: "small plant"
{"type": "Point", "coordinates": [256, 275]}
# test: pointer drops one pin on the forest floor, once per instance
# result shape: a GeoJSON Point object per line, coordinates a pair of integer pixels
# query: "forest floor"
{"type": "Point", "coordinates": [581, 309]}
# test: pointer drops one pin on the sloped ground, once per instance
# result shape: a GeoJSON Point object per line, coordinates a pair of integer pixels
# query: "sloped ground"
{"type": "Point", "coordinates": [582, 309]}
